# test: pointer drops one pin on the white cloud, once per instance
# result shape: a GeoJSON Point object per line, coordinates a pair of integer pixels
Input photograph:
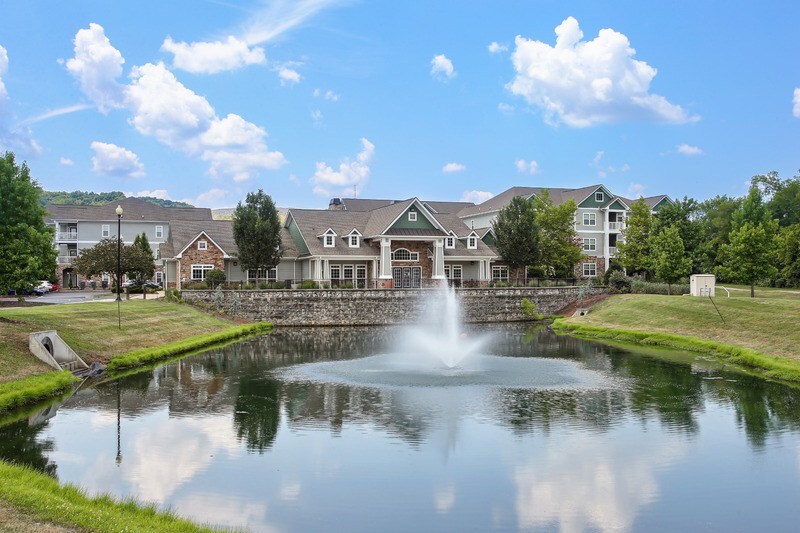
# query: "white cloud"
{"type": "Point", "coordinates": [527, 167]}
{"type": "Point", "coordinates": [796, 102]}
{"type": "Point", "coordinates": [17, 139]}
{"type": "Point", "coordinates": [279, 16]}
{"type": "Point", "coordinates": [505, 108]}
{"type": "Point", "coordinates": [65, 161]}
{"type": "Point", "coordinates": [213, 198]}
{"type": "Point", "coordinates": [625, 167]}
{"type": "Point", "coordinates": [56, 113]}
{"type": "Point", "coordinates": [496, 48]}
{"type": "Point", "coordinates": [635, 190]}
{"type": "Point", "coordinates": [112, 160]}
{"type": "Point", "coordinates": [3, 70]}
{"type": "Point", "coordinates": [476, 197]}
{"type": "Point", "coordinates": [156, 193]}
{"type": "Point", "coordinates": [453, 167]}
{"type": "Point", "coordinates": [96, 66]}
{"type": "Point", "coordinates": [316, 115]}
{"type": "Point", "coordinates": [687, 149]}
{"type": "Point", "coordinates": [442, 68]}
{"type": "Point", "coordinates": [331, 96]}
{"type": "Point", "coordinates": [584, 83]}
{"type": "Point", "coordinates": [213, 57]}
{"type": "Point", "coordinates": [326, 180]}
{"type": "Point", "coordinates": [162, 107]}
{"type": "Point", "coordinates": [288, 76]}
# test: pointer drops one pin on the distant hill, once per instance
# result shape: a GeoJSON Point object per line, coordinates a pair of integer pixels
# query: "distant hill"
{"type": "Point", "coordinates": [98, 198]}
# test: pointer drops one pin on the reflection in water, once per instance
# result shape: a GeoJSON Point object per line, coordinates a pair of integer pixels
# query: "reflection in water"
{"type": "Point", "coordinates": [234, 438]}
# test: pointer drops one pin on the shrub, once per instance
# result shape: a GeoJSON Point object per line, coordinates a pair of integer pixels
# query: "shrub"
{"type": "Point", "coordinates": [215, 276]}
{"type": "Point", "coordinates": [529, 309]}
{"type": "Point", "coordinates": [196, 286]}
{"type": "Point", "coordinates": [613, 267]}
{"type": "Point", "coordinates": [172, 295]}
{"type": "Point", "coordinates": [308, 284]}
{"type": "Point", "coordinates": [619, 281]}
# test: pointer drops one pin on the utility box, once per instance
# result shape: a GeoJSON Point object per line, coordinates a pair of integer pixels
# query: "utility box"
{"type": "Point", "coordinates": [702, 284]}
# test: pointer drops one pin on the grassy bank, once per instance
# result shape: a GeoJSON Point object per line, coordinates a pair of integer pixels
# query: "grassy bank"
{"type": "Point", "coordinates": [39, 497]}
{"type": "Point", "coordinates": [761, 333]}
{"type": "Point", "coordinates": [152, 355]}
{"type": "Point", "coordinates": [14, 394]}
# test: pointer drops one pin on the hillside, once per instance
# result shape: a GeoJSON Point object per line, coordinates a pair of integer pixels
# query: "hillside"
{"type": "Point", "coordinates": [98, 198]}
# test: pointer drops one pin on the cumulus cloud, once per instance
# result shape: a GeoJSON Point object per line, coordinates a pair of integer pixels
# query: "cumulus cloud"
{"type": "Point", "coordinates": [635, 190]}
{"type": "Point", "coordinates": [112, 160]}
{"type": "Point", "coordinates": [796, 102]}
{"type": "Point", "coordinates": [442, 68]}
{"type": "Point", "coordinates": [356, 172]}
{"type": "Point", "coordinates": [476, 197]}
{"type": "Point", "coordinates": [327, 95]}
{"type": "Point", "coordinates": [213, 57]}
{"type": "Point", "coordinates": [66, 161]}
{"type": "Point", "coordinates": [687, 149]}
{"type": "Point", "coordinates": [156, 193]}
{"type": "Point", "coordinates": [584, 83]}
{"type": "Point", "coordinates": [97, 65]}
{"type": "Point", "coordinates": [163, 108]}
{"type": "Point", "coordinates": [288, 76]}
{"type": "Point", "coordinates": [453, 167]}
{"type": "Point", "coordinates": [14, 138]}
{"type": "Point", "coordinates": [496, 48]}
{"type": "Point", "coordinates": [527, 167]}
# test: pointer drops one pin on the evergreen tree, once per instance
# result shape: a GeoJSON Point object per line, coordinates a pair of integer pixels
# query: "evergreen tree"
{"type": "Point", "coordinates": [26, 242]}
{"type": "Point", "coordinates": [559, 244]}
{"type": "Point", "coordinates": [634, 251]}
{"type": "Point", "coordinates": [669, 256]}
{"type": "Point", "coordinates": [256, 230]}
{"type": "Point", "coordinates": [517, 234]}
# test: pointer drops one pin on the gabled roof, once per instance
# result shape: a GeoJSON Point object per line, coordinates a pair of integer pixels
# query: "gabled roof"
{"type": "Point", "coordinates": [369, 204]}
{"type": "Point", "coordinates": [651, 201]}
{"type": "Point", "coordinates": [220, 232]}
{"type": "Point", "coordinates": [381, 220]}
{"type": "Point", "coordinates": [313, 222]}
{"type": "Point", "coordinates": [496, 203]}
{"type": "Point", "coordinates": [133, 209]}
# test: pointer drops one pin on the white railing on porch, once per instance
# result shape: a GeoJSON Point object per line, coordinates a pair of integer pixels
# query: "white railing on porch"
{"type": "Point", "coordinates": [616, 226]}
{"type": "Point", "coordinates": [66, 259]}
{"type": "Point", "coordinates": [612, 250]}
{"type": "Point", "coordinates": [66, 235]}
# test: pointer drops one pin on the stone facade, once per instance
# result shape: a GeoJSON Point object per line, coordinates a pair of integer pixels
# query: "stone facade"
{"type": "Point", "coordinates": [212, 255]}
{"type": "Point", "coordinates": [600, 265]}
{"type": "Point", "coordinates": [383, 307]}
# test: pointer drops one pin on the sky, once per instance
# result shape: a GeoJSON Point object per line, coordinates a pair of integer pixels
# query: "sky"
{"type": "Point", "coordinates": [207, 100]}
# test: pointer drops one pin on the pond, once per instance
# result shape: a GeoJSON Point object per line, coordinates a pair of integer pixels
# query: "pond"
{"type": "Point", "coordinates": [305, 429]}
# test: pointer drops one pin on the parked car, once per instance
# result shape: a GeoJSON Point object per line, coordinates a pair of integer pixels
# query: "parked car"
{"type": "Point", "coordinates": [136, 287]}
{"type": "Point", "coordinates": [45, 286]}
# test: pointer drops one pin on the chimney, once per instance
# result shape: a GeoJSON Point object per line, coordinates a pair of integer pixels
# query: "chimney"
{"type": "Point", "coordinates": [336, 204]}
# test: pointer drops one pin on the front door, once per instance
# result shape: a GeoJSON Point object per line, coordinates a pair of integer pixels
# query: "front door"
{"type": "Point", "coordinates": [407, 277]}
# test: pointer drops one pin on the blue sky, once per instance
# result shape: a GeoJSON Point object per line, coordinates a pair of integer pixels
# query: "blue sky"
{"type": "Point", "coordinates": [204, 101]}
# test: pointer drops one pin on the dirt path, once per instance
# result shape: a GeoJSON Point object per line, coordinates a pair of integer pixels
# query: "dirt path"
{"type": "Point", "coordinates": [12, 520]}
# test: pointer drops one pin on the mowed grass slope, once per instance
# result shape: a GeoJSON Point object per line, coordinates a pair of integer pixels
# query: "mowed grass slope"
{"type": "Point", "coordinates": [91, 330]}
{"type": "Point", "coordinates": [769, 323]}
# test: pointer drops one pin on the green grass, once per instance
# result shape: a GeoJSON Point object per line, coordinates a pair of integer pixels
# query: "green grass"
{"type": "Point", "coordinates": [41, 497]}
{"type": "Point", "coordinates": [151, 355]}
{"type": "Point", "coordinates": [15, 394]}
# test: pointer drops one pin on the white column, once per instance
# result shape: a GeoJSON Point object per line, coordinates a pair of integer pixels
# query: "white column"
{"type": "Point", "coordinates": [438, 259]}
{"type": "Point", "coordinates": [177, 275]}
{"type": "Point", "coordinates": [386, 259]}
{"type": "Point", "coordinates": [606, 253]}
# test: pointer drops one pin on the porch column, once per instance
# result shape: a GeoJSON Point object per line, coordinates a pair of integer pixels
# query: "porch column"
{"type": "Point", "coordinates": [438, 259]}
{"type": "Point", "coordinates": [386, 259]}
{"type": "Point", "coordinates": [177, 275]}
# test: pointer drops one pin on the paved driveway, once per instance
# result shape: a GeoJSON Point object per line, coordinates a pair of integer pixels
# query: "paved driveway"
{"type": "Point", "coordinates": [69, 296]}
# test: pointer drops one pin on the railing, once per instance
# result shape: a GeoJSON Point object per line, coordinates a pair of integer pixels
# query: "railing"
{"type": "Point", "coordinates": [66, 235]}
{"type": "Point", "coordinates": [612, 250]}
{"type": "Point", "coordinates": [616, 226]}
{"type": "Point", "coordinates": [66, 259]}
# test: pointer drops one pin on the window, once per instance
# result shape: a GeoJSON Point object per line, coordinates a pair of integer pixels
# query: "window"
{"type": "Point", "coordinates": [361, 271]}
{"type": "Point", "coordinates": [159, 232]}
{"type": "Point", "coordinates": [589, 219]}
{"type": "Point", "coordinates": [589, 269]}
{"type": "Point", "coordinates": [347, 272]}
{"type": "Point", "coordinates": [106, 230]}
{"type": "Point", "coordinates": [472, 243]}
{"type": "Point", "coordinates": [453, 272]}
{"type": "Point", "coordinates": [199, 272]}
{"type": "Point", "coordinates": [158, 252]}
{"type": "Point", "coordinates": [401, 254]}
{"type": "Point", "coordinates": [202, 245]}
{"type": "Point", "coordinates": [269, 274]}
{"type": "Point", "coordinates": [159, 277]}
{"type": "Point", "coordinates": [328, 242]}
{"type": "Point", "coordinates": [500, 273]}
{"type": "Point", "coordinates": [450, 242]}
{"type": "Point", "coordinates": [412, 216]}
{"type": "Point", "coordinates": [589, 244]}
{"type": "Point", "coordinates": [354, 241]}
{"type": "Point", "coordinates": [599, 197]}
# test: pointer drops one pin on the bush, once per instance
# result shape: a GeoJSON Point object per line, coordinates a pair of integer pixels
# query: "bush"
{"type": "Point", "coordinates": [196, 286]}
{"type": "Point", "coordinates": [215, 276]}
{"type": "Point", "coordinates": [308, 284]}
{"type": "Point", "coordinates": [619, 281]}
{"type": "Point", "coordinates": [529, 309]}
{"type": "Point", "coordinates": [172, 295]}
{"type": "Point", "coordinates": [613, 267]}
{"type": "Point", "coordinates": [639, 286]}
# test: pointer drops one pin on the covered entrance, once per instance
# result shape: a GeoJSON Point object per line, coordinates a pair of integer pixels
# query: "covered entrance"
{"type": "Point", "coordinates": [407, 277]}
{"type": "Point", "coordinates": [70, 279]}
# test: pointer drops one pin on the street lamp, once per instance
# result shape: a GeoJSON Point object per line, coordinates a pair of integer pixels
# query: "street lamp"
{"type": "Point", "coordinates": [119, 274]}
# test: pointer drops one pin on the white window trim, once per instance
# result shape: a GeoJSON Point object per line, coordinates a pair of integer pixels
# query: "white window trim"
{"type": "Point", "coordinates": [499, 273]}
{"type": "Point", "coordinates": [354, 241]}
{"type": "Point", "coordinates": [593, 268]}
{"type": "Point", "coordinates": [203, 268]}
{"type": "Point", "coordinates": [599, 196]}
{"type": "Point", "coordinates": [202, 245]}
{"type": "Point", "coordinates": [449, 242]}
{"type": "Point", "coordinates": [589, 244]}
{"type": "Point", "coordinates": [328, 241]}
{"type": "Point", "coordinates": [592, 219]}
{"type": "Point", "coordinates": [412, 216]}
{"type": "Point", "coordinates": [106, 230]}
{"type": "Point", "coordinates": [159, 232]}
{"type": "Point", "coordinates": [413, 256]}
{"type": "Point", "coordinates": [472, 243]}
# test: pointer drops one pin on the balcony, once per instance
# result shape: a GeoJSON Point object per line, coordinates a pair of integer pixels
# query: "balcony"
{"type": "Point", "coordinates": [612, 251]}
{"type": "Point", "coordinates": [67, 236]}
{"type": "Point", "coordinates": [616, 226]}
{"type": "Point", "coordinates": [65, 259]}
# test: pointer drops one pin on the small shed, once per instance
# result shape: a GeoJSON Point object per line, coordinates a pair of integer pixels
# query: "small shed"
{"type": "Point", "coordinates": [702, 284]}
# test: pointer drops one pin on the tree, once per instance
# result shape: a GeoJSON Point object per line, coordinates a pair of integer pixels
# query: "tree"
{"type": "Point", "coordinates": [683, 215]}
{"type": "Point", "coordinates": [788, 254]}
{"type": "Point", "coordinates": [257, 231]}
{"type": "Point", "coordinates": [26, 242]}
{"type": "Point", "coordinates": [752, 209]}
{"type": "Point", "coordinates": [634, 251]}
{"type": "Point", "coordinates": [715, 217]}
{"type": "Point", "coordinates": [517, 233]}
{"type": "Point", "coordinates": [102, 259]}
{"type": "Point", "coordinates": [139, 268]}
{"type": "Point", "coordinates": [669, 256]}
{"type": "Point", "coordinates": [750, 254]}
{"type": "Point", "coordinates": [559, 245]}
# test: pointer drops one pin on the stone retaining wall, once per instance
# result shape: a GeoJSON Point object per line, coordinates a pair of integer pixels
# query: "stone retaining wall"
{"type": "Point", "coordinates": [349, 307]}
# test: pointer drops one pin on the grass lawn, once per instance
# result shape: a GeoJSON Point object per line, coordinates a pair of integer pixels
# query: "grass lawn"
{"type": "Point", "coordinates": [91, 330]}
{"type": "Point", "coordinates": [769, 323]}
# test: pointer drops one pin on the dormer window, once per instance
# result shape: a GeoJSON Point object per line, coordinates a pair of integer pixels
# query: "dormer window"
{"type": "Point", "coordinates": [354, 241]}
{"type": "Point", "coordinates": [202, 245]}
{"type": "Point", "coordinates": [450, 242]}
{"type": "Point", "coordinates": [328, 241]}
{"type": "Point", "coordinates": [412, 216]}
{"type": "Point", "coordinates": [599, 197]}
{"type": "Point", "coordinates": [472, 243]}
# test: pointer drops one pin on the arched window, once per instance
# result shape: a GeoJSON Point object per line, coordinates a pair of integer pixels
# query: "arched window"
{"type": "Point", "coordinates": [401, 254]}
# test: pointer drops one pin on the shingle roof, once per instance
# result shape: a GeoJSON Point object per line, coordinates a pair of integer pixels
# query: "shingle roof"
{"type": "Point", "coordinates": [313, 222]}
{"type": "Point", "coordinates": [381, 218]}
{"type": "Point", "coordinates": [133, 209]}
{"type": "Point", "coordinates": [182, 233]}
{"type": "Point", "coordinates": [651, 201]}
{"type": "Point", "coordinates": [369, 204]}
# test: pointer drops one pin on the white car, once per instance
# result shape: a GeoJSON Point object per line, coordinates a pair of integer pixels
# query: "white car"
{"type": "Point", "coordinates": [45, 286]}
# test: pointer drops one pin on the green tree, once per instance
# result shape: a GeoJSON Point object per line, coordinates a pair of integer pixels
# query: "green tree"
{"type": "Point", "coordinates": [26, 242]}
{"type": "Point", "coordinates": [683, 215]}
{"type": "Point", "coordinates": [669, 256]}
{"type": "Point", "coordinates": [752, 209]}
{"type": "Point", "coordinates": [715, 216]}
{"type": "Point", "coordinates": [102, 258]}
{"type": "Point", "coordinates": [784, 197]}
{"type": "Point", "coordinates": [257, 231]}
{"type": "Point", "coordinates": [559, 244]}
{"type": "Point", "coordinates": [634, 251]}
{"type": "Point", "coordinates": [750, 254]}
{"type": "Point", "coordinates": [517, 233]}
{"type": "Point", "coordinates": [788, 253]}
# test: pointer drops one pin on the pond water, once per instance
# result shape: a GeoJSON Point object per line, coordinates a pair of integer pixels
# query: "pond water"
{"type": "Point", "coordinates": [316, 430]}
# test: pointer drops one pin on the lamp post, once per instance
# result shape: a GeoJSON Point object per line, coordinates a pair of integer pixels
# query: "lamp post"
{"type": "Point", "coordinates": [119, 253]}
